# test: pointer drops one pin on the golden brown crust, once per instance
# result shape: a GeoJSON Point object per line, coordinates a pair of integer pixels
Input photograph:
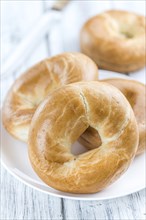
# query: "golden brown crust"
{"type": "Point", "coordinates": [135, 92]}
{"type": "Point", "coordinates": [34, 85]}
{"type": "Point", "coordinates": [59, 121]}
{"type": "Point", "coordinates": [115, 40]}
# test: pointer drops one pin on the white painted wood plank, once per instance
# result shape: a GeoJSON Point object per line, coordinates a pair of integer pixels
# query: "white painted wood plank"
{"type": "Point", "coordinates": [122, 208]}
{"type": "Point", "coordinates": [22, 202]}
{"type": "Point", "coordinates": [71, 209]}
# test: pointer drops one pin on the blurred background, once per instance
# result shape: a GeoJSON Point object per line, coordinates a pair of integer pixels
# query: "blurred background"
{"type": "Point", "coordinates": [21, 18]}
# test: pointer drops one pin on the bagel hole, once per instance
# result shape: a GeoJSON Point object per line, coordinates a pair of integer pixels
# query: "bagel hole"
{"type": "Point", "coordinates": [77, 148]}
{"type": "Point", "coordinates": [89, 140]}
{"type": "Point", "coordinates": [127, 34]}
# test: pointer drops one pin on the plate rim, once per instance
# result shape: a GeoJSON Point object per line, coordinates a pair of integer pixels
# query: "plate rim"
{"type": "Point", "coordinates": [65, 196]}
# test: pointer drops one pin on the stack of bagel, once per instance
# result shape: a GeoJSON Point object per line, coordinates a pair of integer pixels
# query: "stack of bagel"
{"type": "Point", "coordinates": [60, 100]}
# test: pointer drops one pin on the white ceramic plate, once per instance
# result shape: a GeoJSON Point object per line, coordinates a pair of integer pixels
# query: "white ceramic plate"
{"type": "Point", "coordinates": [15, 160]}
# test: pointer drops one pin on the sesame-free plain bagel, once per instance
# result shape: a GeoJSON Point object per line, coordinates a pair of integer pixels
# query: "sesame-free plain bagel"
{"type": "Point", "coordinates": [115, 40]}
{"type": "Point", "coordinates": [36, 83]}
{"type": "Point", "coordinates": [135, 92]}
{"type": "Point", "coordinates": [60, 120]}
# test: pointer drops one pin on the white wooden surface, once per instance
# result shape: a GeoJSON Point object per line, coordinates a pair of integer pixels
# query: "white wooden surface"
{"type": "Point", "coordinates": [19, 201]}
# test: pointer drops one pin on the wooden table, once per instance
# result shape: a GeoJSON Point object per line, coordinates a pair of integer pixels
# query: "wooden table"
{"type": "Point", "coordinates": [19, 201]}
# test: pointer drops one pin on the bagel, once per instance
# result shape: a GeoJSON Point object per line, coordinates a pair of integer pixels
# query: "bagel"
{"type": "Point", "coordinates": [115, 40]}
{"type": "Point", "coordinates": [34, 85]}
{"type": "Point", "coordinates": [60, 120]}
{"type": "Point", "coordinates": [135, 92]}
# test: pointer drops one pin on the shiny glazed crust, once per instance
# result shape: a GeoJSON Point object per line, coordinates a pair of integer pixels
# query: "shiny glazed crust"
{"type": "Point", "coordinates": [35, 84]}
{"type": "Point", "coordinates": [115, 40]}
{"type": "Point", "coordinates": [60, 120]}
{"type": "Point", "coordinates": [135, 92]}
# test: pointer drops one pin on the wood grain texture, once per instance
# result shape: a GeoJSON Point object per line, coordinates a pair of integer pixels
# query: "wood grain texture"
{"type": "Point", "coordinates": [18, 201]}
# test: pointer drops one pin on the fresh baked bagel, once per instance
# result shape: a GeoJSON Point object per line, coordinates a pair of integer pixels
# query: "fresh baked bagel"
{"type": "Point", "coordinates": [35, 84]}
{"type": "Point", "coordinates": [115, 40]}
{"type": "Point", "coordinates": [135, 92]}
{"type": "Point", "coordinates": [60, 120]}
